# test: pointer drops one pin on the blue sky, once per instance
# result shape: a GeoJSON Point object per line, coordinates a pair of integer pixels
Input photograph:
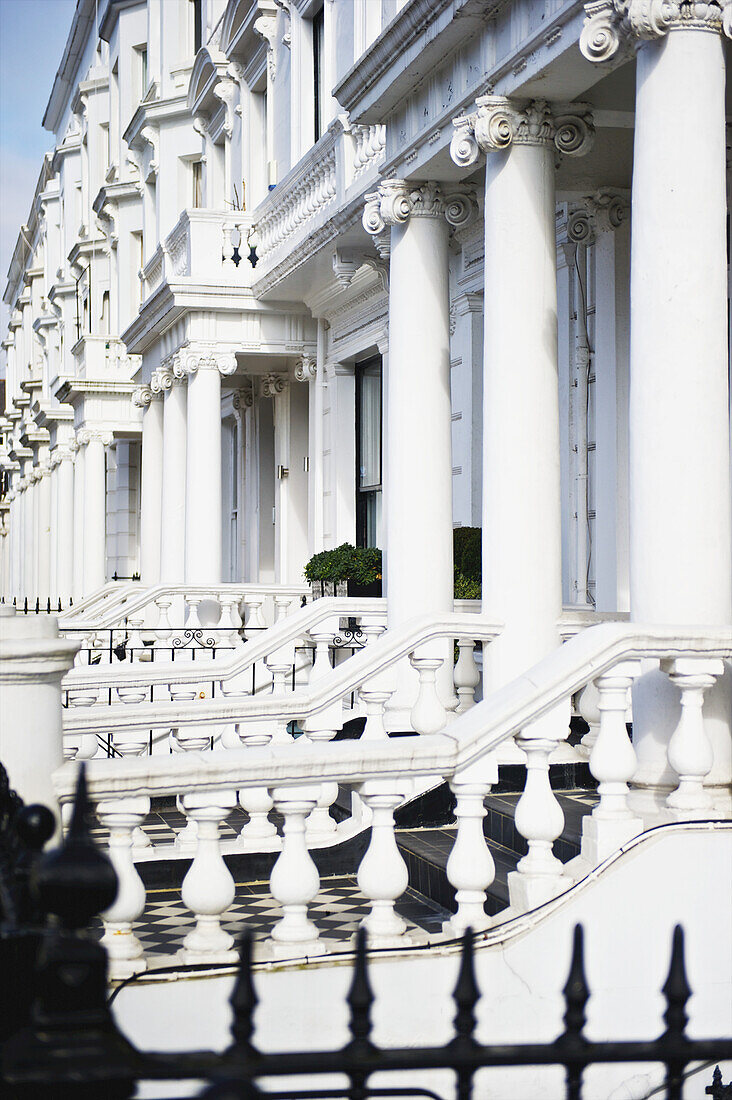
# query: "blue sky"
{"type": "Point", "coordinates": [33, 34]}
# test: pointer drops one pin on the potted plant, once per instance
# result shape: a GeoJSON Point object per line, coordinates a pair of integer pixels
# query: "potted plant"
{"type": "Point", "coordinates": [345, 571]}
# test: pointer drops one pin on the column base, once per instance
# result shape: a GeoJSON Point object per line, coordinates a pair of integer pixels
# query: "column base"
{"type": "Point", "coordinates": [601, 837]}
{"type": "Point", "coordinates": [530, 891]}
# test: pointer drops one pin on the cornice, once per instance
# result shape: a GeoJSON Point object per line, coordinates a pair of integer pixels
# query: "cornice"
{"type": "Point", "coordinates": [152, 114]}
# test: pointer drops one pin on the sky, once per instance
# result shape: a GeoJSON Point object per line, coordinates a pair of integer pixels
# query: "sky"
{"type": "Point", "coordinates": [33, 34]}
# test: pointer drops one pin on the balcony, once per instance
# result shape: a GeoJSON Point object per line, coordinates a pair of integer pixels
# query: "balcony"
{"type": "Point", "coordinates": [103, 358]}
{"type": "Point", "coordinates": [203, 247]}
{"type": "Point", "coordinates": [299, 215]}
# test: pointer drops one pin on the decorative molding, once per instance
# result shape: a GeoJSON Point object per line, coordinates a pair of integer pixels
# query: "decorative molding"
{"type": "Point", "coordinates": [602, 212]}
{"type": "Point", "coordinates": [227, 91]}
{"type": "Point", "coordinates": [84, 436]}
{"type": "Point", "coordinates": [243, 398]}
{"type": "Point", "coordinates": [614, 26]}
{"type": "Point", "coordinates": [143, 395]}
{"type": "Point", "coordinates": [346, 262]}
{"type": "Point", "coordinates": [499, 122]}
{"type": "Point", "coordinates": [266, 27]}
{"type": "Point", "coordinates": [396, 201]}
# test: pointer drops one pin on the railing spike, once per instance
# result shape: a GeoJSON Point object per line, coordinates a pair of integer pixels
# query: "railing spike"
{"type": "Point", "coordinates": [360, 996]}
{"type": "Point", "coordinates": [466, 994]}
{"type": "Point", "coordinates": [244, 998]}
{"type": "Point", "coordinates": [676, 990]}
{"type": "Point", "coordinates": [576, 991]}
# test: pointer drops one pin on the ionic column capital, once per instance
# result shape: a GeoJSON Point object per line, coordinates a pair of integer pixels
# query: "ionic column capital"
{"type": "Point", "coordinates": [603, 212]}
{"type": "Point", "coordinates": [499, 122]}
{"type": "Point", "coordinates": [305, 368]}
{"type": "Point", "coordinates": [615, 26]}
{"type": "Point", "coordinates": [272, 384]}
{"type": "Point", "coordinates": [396, 201]}
{"type": "Point", "coordinates": [142, 396]}
{"type": "Point", "coordinates": [61, 454]}
{"type": "Point", "coordinates": [84, 436]}
{"type": "Point", "coordinates": [224, 362]}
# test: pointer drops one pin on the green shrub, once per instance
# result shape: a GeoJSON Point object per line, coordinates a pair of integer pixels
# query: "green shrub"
{"type": "Point", "coordinates": [345, 563]}
{"type": "Point", "coordinates": [466, 589]}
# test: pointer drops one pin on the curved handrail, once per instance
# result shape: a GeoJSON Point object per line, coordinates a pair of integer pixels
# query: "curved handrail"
{"type": "Point", "coordinates": [136, 599]}
{"type": "Point", "coordinates": [471, 736]}
{"type": "Point", "coordinates": [269, 641]}
{"type": "Point", "coordinates": [369, 662]}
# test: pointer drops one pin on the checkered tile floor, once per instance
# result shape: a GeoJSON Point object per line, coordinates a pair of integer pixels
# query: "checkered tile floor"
{"type": "Point", "coordinates": [162, 826]}
{"type": "Point", "coordinates": [337, 912]}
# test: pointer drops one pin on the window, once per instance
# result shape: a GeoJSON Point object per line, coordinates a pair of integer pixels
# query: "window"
{"type": "Point", "coordinates": [142, 60]}
{"type": "Point", "coordinates": [368, 452]}
{"type": "Point", "coordinates": [197, 14]}
{"type": "Point", "coordinates": [197, 184]}
{"type": "Point", "coordinates": [318, 72]}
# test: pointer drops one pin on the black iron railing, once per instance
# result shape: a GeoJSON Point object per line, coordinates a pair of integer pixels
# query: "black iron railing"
{"type": "Point", "coordinates": [59, 1038]}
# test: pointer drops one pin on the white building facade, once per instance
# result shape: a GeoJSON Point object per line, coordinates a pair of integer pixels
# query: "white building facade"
{"type": "Point", "coordinates": [306, 272]}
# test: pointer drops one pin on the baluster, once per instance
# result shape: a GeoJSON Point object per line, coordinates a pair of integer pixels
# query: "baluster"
{"type": "Point", "coordinates": [193, 602]}
{"type": "Point", "coordinates": [613, 763]}
{"type": "Point", "coordinates": [227, 250]}
{"type": "Point", "coordinates": [208, 888]}
{"type": "Point", "coordinates": [257, 801]}
{"type": "Point", "coordinates": [254, 616]}
{"type": "Point", "coordinates": [383, 877]}
{"type": "Point", "coordinates": [87, 745]}
{"type": "Point", "coordinates": [539, 819]}
{"type": "Point", "coordinates": [375, 704]}
{"type": "Point", "coordinates": [470, 868]}
{"type": "Point", "coordinates": [295, 881]}
{"type": "Point", "coordinates": [466, 675]}
{"type": "Point", "coordinates": [588, 707]}
{"type": "Point", "coordinates": [690, 753]}
{"type": "Point", "coordinates": [323, 639]}
{"type": "Point", "coordinates": [135, 644]}
{"type": "Point", "coordinates": [229, 615]}
{"type": "Point", "coordinates": [124, 949]}
{"type": "Point", "coordinates": [371, 630]}
{"type": "Point", "coordinates": [282, 607]}
{"type": "Point", "coordinates": [130, 743]}
{"type": "Point", "coordinates": [188, 739]}
{"type": "Point", "coordinates": [163, 628]}
{"type": "Point", "coordinates": [428, 714]}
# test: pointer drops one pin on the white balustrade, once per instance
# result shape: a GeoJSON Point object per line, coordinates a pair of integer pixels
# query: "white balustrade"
{"type": "Point", "coordinates": [613, 763]}
{"type": "Point", "coordinates": [256, 801]}
{"type": "Point", "coordinates": [539, 819]}
{"type": "Point", "coordinates": [466, 675]}
{"type": "Point", "coordinates": [123, 817]}
{"type": "Point", "coordinates": [282, 607]}
{"type": "Point", "coordinates": [230, 635]}
{"type": "Point", "coordinates": [227, 251]}
{"type": "Point", "coordinates": [254, 619]}
{"type": "Point", "coordinates": [428, 715]}
{"type": "Point", "coordinates": [188, 740]}
{"type": "Point", "coordinates": [208, 889]}
{"type": "Point", "coordinates": [690, 753]}
{"type": "Point", "coordinates": [193, 602]}
{"type": "Point", "coordinates": [382, 875]}
{"type": "Point", "coordinates": [323, 640]}
{"type": "Point", "coordinates": [295, 881]}
{"type": "Point", "coordinates": [470, 867]}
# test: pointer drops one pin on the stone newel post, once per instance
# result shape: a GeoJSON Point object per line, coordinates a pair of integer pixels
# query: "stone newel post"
{"type": "Point", "coordinates": [33, 659]}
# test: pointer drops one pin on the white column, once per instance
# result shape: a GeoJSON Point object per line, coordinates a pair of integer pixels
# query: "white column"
{"type": "Point", "coordinates": [522, 581]}
{"type": "Point", "coordinates": [680, 526]}
{"type": "Point", "coordinates": [172, 544]}
{"type": "Point", "coordinates": [29, 542]}
{"type": "Point", "coordinates": [43, 490]}
{"type": "Point", "coordinates": [78, 562]}
{"type": "Point", "coordinates": [94, 511]}
{"type": "Point", "coordinates": [32, 661]}
{"type": "Point", "coordinates": [203, 468]}
{"type": "Point", "coordinates": [53, 565]}
{"type": "Point", "coordinates": [151, 482]}
{"type": "Point", "coordinates": [418, 425]}
{"type": "Point", "coordinates": [418, 482]}
{"type": "Point", "coordinates": [14, 498]}
{"type": "Point", "coordinates": [64, 542]}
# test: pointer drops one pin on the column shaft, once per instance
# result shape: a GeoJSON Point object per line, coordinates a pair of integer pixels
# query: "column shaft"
{"type": "Point", "coordinates": [418, 486]}
{"type": "Point", "coordinates": [172, 540]}
{"type": "Point", "coordinates": [203, 477]}
{"type": "Point", "coordinates": [94, 517]}
{"type": "Point", "coordinates": [152, 491]}
{"type": "Point", "coordinates": [64, 531]}
{"type": "Point", "coordinates": [78, 557]}
{"type": "Point", "coordinates": [29, 543]}
{"type": "Point", "coordinates": [43, 490]}
{"type": "Point", "coordinates": [521, 492]}
{"type": "Point", "coordinates": [53, 538]}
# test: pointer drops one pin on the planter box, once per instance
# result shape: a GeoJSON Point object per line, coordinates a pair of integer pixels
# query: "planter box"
{"type": "Point", "coordinates": [364, 590]}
